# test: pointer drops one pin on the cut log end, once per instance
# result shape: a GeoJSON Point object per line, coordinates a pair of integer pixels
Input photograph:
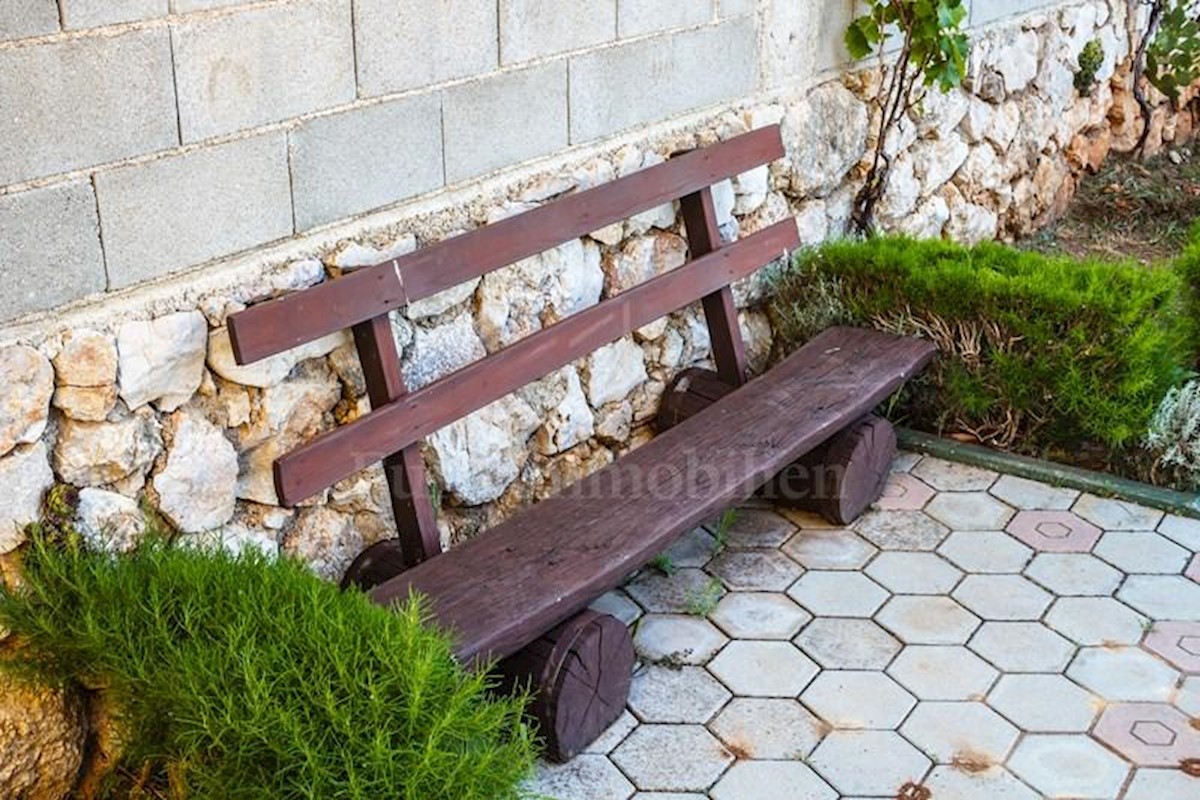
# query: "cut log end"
{"type": "Point", "coordinates": [579, 674]}
{"type": "Point", "coordinates": [843, 477]}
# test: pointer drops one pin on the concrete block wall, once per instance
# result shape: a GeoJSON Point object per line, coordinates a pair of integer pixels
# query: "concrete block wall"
{"type": "Point", "coordinates": [145, 137]}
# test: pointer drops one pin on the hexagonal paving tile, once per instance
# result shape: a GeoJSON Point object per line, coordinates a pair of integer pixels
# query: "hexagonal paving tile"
{"type": "Point", "coordinates": [616, 733]}
{"type": "Point", "coordinates": [763, 669]}
{"type": "Point", "coordinates": [768, 728]}
{"type": "Point", "coordinates": [1054, 531]}
{"type": "Point", "coordinates": [1162, 596]}
{"type": "Point", "coordinates": [669, 594]}
{"type": "Point", "coordinates": [835, 548]}
{"type": "Point", "coordinates": [1161, 784]}
{"type": "Point", "coordinates": [1095, 621]}
{"type": "Point", "coordinates": [1193, 570]}
{"type": "Point", "coordinates": [868, 763]}
{"type": "Point", "coordinates": [1045, 703]}
{"type": "Point", "coordinates": [1124, 673]}
{"type": "Point", "coordinates": [667, 694]}
{"type": "Point", "coordinates": [756, 527]}
{"type": "Point", "coordinates": [903, 492]}
{"type": "Point", "coordinates": [986, 551]}
{"type": "Point", "coordinates": [969, 734]}
{"type": "Point", "coordinates": [858, 700]}
{"type": "Point", "coordinates": [950, 476]}
{"type": "Point", "coordinates": [672, 758]}
{"type": "Point", "coordinates": [771, 780]}
{"type": "Point", "coordinates": [1030, 495]}
{"type": "Point", "coordinates": [1142, 552]}
{"type": "Point", "coordinates": [996, 783]}
{"type": "Point", "coordinates": [692, 549]}
{"type": "Point", "coordinates": [1187, 698]}
{"type": "Point", "coordinates": [759, 615]}
{"type": "Point", "coordinates": [617, 604]}
{"type": "Point", "coordinates": [1077, 574]}
{"type": "Point", "coordinates": [969, 511]}
{"type": "Point", "coordinates": [669, 796]}
{"type": "Point", "coordinates": [838, 594]}
{"type": "Point", "coordinates": [1003, 597]}
{"type": "Point", "coordinates": [1069, 765]}
{"type": "Point", "coordinates": [927, 620]}
{"type": "Point", "coordinates": [836, 643]}
{"type": "Point", "coordinates": [1181, 530]}
{"type": "Point", "coordinates": [1117, 515]}
{"type": "Point", "coordinates": [1022, 647]}
{"type": "Point", "coordinates": [677, 639]}
{"type": "Point", "coordinates": [1178, 643]}
{"type": "Point", "coordinates": [901, 530]}
{"type": "Point", "coordinates": [585, 777]}
{"type": "Point", "coordinates": [1149, 734]}
{"type": "Point", "coordinates": [905, 461]}
{"type": "Point", "coordinates": [755, 570]}
{"type": "Point", "coordinates": [943, 673]}
{"type": "Point", "coordinates": [914, 573]}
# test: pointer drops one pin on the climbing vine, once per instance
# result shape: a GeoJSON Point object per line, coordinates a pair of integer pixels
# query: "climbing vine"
{"type": "Point", "coordinates": [1167, 56]}
{"type": "Point", "coordinates": [932, 52]}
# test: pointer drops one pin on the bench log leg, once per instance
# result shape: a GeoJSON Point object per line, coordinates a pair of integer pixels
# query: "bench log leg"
{"type": "Point", "coordinates": [841, 478]}
{"type": "Point", "coordinates": [579, 674]}
{"type": "Point", "coordinates": [376, 564]}
{"type": "Point", "coordinates": [838, 480]}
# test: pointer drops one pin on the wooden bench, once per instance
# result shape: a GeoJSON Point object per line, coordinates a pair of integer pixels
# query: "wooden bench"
{"type": "Point", "coordinates": [520, 590]}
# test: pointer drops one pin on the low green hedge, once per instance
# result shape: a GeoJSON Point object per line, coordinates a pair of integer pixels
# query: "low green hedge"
{"type": "Point", "coordinates": [1036, 352]}
{"type": "Point", "coordinates": [236, 677]}
{"type": "Point", "coordinates": [1188, 266]}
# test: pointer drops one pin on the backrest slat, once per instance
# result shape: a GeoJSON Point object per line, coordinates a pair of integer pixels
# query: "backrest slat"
{"type": "Point", "coordinates": [411, 417]}
{"type": "Point", "coordinates": [278, 325]}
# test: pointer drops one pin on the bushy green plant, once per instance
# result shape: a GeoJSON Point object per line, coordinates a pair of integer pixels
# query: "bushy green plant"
{"type": "Point", "coordinates": [1036, 352]}
{"type": "Point", "coordinates": [1091, 58]}
{"type": "Point", "coordinates": [240, 677]}
{"type": "Point", "coordinates": [1188, 265]}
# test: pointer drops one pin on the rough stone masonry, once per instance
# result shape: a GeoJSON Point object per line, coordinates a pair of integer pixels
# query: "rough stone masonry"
{"type": "Point", "coordinates": [135, 397]}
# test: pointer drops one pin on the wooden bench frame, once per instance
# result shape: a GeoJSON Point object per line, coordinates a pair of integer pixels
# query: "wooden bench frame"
{"type": "Point", "coordinates": [362, 300]}
{"type": "Point", "coordinates": [581, 663]}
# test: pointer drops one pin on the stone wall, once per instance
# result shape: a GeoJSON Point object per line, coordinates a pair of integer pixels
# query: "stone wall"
{"type": "Point", "coordinates": [132, 395]}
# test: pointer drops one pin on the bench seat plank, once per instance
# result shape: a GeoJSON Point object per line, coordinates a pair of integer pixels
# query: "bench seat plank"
{"type": "Point", "coordinates": [504, 588]}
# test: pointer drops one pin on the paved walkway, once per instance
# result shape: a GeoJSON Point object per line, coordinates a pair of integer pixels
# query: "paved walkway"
{"type": "Point", "coordinates": [975, 636]}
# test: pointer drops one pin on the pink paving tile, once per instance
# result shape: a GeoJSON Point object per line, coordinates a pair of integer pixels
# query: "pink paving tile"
{"type": "Point", "coordinates": [1193, 571]}
{"type": "Point", "coordinates": [1054, 531]}
{"type": "Point", "coordinates": [1177, 642]}
{"type": "Point", "coordinates": [1149, 734]}
{"type": "Point", "coordinates": [904, 492]}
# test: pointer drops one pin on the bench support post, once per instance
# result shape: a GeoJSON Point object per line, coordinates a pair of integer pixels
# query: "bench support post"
{"type": "Point", "coordinates": [720, 312]}
{"type": "Point", "coordinates": [405, 471]}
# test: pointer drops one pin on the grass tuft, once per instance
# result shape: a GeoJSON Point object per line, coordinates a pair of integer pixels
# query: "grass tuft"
{"type": "Point", "coordinates": [238, 677]}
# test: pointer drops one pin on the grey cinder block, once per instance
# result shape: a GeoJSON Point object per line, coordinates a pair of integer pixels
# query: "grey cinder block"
{"type": "Point", "coordinates": [173, 213]}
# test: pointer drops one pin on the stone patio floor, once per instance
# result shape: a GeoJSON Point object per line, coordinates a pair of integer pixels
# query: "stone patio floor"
{"type": "Point", "coordinates": [974, 636]}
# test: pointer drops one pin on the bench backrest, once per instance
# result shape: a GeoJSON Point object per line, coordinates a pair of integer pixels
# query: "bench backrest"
{"type": "Point", "coordinates": [399, 419]}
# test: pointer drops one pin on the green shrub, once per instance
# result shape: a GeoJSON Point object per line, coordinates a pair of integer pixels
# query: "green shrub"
{"type": "Point", "coordinates": [1188, 265]}
{"type": "Point", "coordinates": [1035, 352]}
{"type": "Point", "coordinates": [236, 677]}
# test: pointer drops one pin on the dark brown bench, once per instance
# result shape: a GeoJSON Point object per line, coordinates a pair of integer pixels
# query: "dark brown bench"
{"type": "Point", "coordinates": [519, 590]}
